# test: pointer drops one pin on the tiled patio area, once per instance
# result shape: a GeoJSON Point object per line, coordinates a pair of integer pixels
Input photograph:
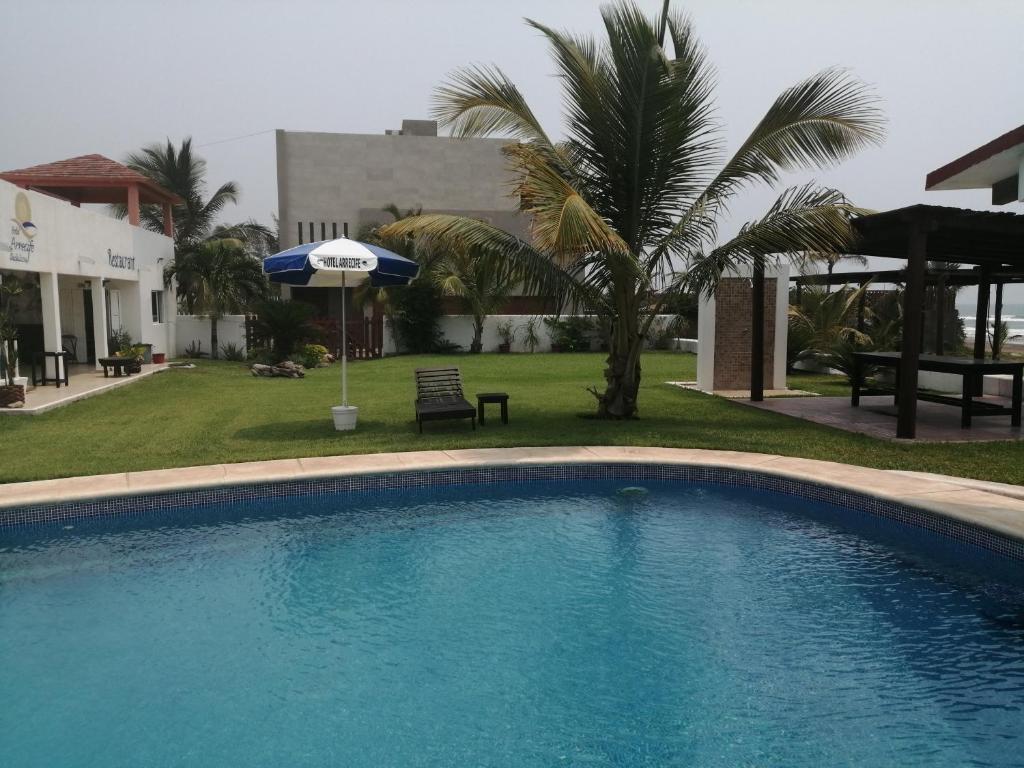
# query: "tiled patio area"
{"type": "Point", "coordinates": [84, 381]}
{"type": "Point", "coordinates": [876, 417]}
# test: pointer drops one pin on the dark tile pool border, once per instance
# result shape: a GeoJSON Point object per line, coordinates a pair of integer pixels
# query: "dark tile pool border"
{"type": "Point", "coordinates": [140, 504]}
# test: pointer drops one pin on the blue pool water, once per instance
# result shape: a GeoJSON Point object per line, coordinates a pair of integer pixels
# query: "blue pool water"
{"type": "Point", "coordinates": [533, 625]}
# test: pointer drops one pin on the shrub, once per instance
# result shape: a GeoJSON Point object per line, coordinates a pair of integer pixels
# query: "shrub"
{"type": "Point", "coordinates": [233, 352]}
{"type": "Point", "coordinates": [312, 355]}
{"type": "Point", "coordinates": [570, 335]}
{"type": "Point", "coordinates": [418, 310]}
{"type": "Point", "coordinates": [286, 324]}
{"type": "Point", "coordinates": [194, 350]}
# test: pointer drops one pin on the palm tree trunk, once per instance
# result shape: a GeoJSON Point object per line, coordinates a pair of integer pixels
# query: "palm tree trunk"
{"type": "Point", "coordinates": [622, 374]}
{"type": "Point", "coordinates": [478, 335]}
{"type": "Point", "coordinates": [213, 337]}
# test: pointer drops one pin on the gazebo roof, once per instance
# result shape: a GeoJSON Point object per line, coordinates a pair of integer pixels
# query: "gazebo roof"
{"type": "Point", "coordinates": [89, 179]}
{"type": "Point", "coordinates": [955, 235]}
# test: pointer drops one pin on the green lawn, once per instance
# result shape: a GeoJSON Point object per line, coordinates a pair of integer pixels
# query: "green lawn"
{"type": "Point", "coordinates": [217, 412]}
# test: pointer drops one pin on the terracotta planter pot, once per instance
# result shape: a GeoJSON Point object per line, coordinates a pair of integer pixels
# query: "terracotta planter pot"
{"type": "Point", "coordinates": [12, 396]}
{"type": "Point", "coordinates": [159, 358]}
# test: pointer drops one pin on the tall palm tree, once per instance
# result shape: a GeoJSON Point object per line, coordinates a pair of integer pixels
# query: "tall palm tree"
{"type": "Point", "coordinates": [180, 170]}
{"type": "Point", "coordinates": [631, 199]}
{"type": "Point", "coordinates": [217, 278]}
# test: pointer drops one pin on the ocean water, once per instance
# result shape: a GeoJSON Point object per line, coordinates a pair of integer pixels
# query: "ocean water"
{"type": "Point", "coordinates": [534, 625]}
{"type": "Point", "coordinates": [1013, 316]}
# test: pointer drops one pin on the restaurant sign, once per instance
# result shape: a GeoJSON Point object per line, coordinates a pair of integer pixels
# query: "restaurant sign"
{"type": "Point", "coordinates": [118, 261]}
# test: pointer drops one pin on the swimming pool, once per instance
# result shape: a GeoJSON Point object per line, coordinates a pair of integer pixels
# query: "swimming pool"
{"type": "Point", "coordinates": [607, 622]}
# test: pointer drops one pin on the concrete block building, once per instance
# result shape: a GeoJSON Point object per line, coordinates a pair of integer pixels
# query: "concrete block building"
{"type": "Point", "coordinates": [336, 184]}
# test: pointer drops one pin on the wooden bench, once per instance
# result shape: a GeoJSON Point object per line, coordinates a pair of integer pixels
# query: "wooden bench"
{"type": "Point", "coordinates": [119, 365]}
{"type": "Point", "coordinates": [439, 396]}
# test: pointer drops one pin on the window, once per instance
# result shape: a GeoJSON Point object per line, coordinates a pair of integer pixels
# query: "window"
{"type": "Point", "coordinates": [158, 306]}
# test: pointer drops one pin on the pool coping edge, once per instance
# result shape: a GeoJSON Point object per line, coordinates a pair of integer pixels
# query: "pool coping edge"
{"type": "Point", "coordinates": [964, 500]}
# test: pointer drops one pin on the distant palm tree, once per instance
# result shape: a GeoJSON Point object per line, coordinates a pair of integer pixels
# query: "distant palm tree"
{"type": "Point", "coordinates": [217, 278]}
{"type": "Point", "coordinates": [625, 210]}
{"type": "Point", "coordinates": [482, 286]}
{"type": "Point", "coordinates": [831, 261]}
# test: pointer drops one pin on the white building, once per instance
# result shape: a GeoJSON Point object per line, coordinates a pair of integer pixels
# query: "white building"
{"type": "Point", "coordinates": [89, 275]}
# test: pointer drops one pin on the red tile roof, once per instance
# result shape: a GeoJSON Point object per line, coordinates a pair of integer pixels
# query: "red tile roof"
{"type": "Point", "coordinates": [95, 171]}
{"type": "Point", "coordinates": [85, 167]}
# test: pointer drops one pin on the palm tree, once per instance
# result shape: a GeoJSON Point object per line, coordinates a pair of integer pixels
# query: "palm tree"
{"type": "Point", "coordinates": [216, 278]}
{"type": "Point", "coordinates": [181, 171]}
{"type": "Point", "coordinates": [823, 327]}
{"type": "Point", "coordinates": [631, 199]}
{"type": "Point", "coordinates": [831, 261]}
{"type": "Point", "coordinates": [482, 286]}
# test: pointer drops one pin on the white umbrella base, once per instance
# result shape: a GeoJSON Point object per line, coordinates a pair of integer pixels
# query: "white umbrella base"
{"type": "Point", "coordinates": [344, 417]}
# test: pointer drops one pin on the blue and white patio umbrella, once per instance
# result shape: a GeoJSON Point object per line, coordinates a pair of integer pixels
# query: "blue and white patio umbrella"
{"type": "Point", "coordinates": [338, 264]}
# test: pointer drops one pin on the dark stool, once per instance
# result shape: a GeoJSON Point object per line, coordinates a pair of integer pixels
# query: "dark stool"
{"type": "Point", "coordinates": [492, 397]}
{"type": "Point", "coordinates": [60, 368]}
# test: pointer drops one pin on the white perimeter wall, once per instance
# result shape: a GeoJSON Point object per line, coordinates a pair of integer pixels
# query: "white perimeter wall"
{"type": "Point", "coordinates": [189, 328]}
{"type": "Point", "coordinates": [459, 330]}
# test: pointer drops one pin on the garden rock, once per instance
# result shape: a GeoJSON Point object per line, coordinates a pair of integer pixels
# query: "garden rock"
{"type": "Point", "coordinates": [287, 369]}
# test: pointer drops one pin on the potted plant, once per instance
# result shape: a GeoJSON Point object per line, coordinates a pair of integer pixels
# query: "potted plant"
{"type": "Point", "coordinates": [530, 338]}
{"type": "Point", "coordinates": [121, 341]}
{"type": "Point", "coordinates": [507, 334]}
{"type": "Point", "coordinates": [12, 395]}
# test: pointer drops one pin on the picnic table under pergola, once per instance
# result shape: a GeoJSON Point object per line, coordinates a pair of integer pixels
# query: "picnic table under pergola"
{"type": "Point", "coordinates": [990, 243]}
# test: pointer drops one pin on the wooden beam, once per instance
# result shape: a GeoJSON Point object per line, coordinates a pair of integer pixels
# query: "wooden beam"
{"type": "Point", "coordinates": [913, 298]}
{"type": "Point", "coordinates": [757, 333]}
{"type": "Point", "coordinates": [940, 313]}
{"type": "Point", "coordinates": [1005, 191]}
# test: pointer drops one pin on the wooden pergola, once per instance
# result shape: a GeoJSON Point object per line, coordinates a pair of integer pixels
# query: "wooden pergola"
{"type": "Point", "coordinates": [993, 243]}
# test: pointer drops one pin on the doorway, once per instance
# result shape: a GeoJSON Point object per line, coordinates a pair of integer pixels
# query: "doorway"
{"type": "Point", "coordinates": [90, 330]}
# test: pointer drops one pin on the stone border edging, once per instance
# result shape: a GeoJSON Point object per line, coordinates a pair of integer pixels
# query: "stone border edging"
{"type": "Point", "coordinates": [968, 501]}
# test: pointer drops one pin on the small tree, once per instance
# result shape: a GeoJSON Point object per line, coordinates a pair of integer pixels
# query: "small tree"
{"type": "Point", "coordinates": [483, 287]}
{"type": "Point", "coordinates": [9, 288]}
{"type": "Point", "coordinates": [216, 278]}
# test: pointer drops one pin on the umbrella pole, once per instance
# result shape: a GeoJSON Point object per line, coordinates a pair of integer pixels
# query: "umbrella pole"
{"type": "Point", "coordinates": [344, 345]}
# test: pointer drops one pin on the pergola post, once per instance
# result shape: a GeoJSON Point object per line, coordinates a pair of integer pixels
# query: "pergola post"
{"type": "Point", "coordinates": [997, 348]}
{"type": "Point", "coordinates": [860, 308]}
{"type": "Point", "coordinates": [940, 313]}
{"type": "Point", "coordinates": [757, 333]}
{"type": "Point", "coordinates": [981, 315]}
{"type": "Point", "coordinates": [133, 204]}
{"type": "Point", "coordinates": [913, 297]}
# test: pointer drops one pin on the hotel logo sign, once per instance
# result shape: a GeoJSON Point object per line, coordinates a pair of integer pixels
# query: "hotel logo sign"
{"type": "Point", "coordinates": [23, 231]}
{"type": "Point", "coordinates": [343, 263]}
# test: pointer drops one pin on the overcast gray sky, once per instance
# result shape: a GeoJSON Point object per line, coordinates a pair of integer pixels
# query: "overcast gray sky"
{"type": "Point", "coordinates": [109, 76]}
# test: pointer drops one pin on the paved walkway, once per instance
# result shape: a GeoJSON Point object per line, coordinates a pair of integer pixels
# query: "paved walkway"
{"type": "Point", "coordinates": [84, 381]}
{"type": "Point", "coordinates": [988, 505]}
{"type": "Point", "coordinates": [876, 417]}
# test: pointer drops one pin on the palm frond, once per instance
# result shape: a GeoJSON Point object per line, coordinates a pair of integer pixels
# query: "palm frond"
{"type": "Point", "coordinates": [805, 218]}
{"type": "Point", "coordinates": [816, 123]}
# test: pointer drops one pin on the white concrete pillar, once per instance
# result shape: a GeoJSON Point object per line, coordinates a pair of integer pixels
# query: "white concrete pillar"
{"type": "Point", "coordinates": [99, 319]}
{"type": "Point", "coordinates": [50, 295]}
